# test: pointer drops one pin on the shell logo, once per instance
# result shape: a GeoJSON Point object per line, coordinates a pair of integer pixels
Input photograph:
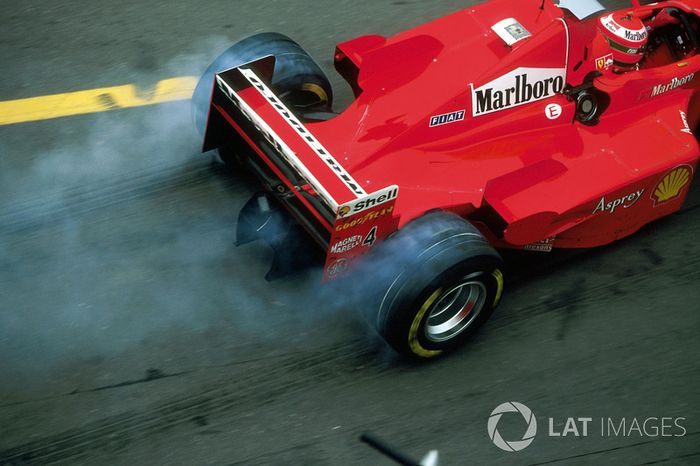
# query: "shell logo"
{"type": "Point", "coordinates": [343, 211]}
{"type": "Point", "coordinates": [671, 185]}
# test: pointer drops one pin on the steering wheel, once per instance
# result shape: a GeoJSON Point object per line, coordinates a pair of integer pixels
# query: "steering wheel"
{"type": "Point", "coordinates": [682, 16]}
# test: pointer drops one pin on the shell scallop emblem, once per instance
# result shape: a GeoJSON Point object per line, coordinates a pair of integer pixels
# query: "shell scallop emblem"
{"type": "Point", "coordinates": [671, 185]}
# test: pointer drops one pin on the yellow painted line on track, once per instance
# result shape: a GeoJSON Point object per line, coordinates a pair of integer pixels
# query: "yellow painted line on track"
{"type": "Point", "coordinates": [94, 100]}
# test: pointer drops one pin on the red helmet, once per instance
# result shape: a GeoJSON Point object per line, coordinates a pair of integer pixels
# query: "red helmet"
{"type": "Point", "coordinates": [626, 36]}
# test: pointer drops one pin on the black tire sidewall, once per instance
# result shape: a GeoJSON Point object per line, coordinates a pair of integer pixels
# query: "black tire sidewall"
{"type": "Point", "coordinates": [293, 67]}
{"type": "Point", "coordinates": [404, 308]}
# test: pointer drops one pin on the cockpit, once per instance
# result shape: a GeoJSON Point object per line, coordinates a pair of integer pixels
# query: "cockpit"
{"type": "Point", "coordinates": [673, 36]}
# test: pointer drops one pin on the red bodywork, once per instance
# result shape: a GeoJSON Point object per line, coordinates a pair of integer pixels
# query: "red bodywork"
{"type": "Point", "coordinates": [442, 114]}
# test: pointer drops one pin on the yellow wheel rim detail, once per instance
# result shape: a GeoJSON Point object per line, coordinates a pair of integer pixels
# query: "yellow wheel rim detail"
{"type": "Point", "coordinates": [317, 90]}
{"type": "Point", "coordinates": [413, 341]}
{"type": "Point", "coordinates": [498, 275]}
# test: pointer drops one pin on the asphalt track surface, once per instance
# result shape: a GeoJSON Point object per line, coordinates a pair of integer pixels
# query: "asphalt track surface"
{"type": "Point", "coordinates": [132, 331]}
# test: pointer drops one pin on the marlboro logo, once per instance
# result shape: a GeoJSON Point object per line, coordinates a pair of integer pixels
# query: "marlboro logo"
{"type": "Point", "coordinates": [675, 83]}
{"type": "Point", "coordinates": [519, 87]}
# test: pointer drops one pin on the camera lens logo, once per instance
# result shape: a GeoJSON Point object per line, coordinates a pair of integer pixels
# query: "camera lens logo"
{"type": "Point", "coordinates": [514, 445]}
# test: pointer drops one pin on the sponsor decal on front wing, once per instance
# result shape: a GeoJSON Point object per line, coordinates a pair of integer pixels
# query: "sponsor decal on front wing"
{"type": "Point", "coordinates": [519, 87]}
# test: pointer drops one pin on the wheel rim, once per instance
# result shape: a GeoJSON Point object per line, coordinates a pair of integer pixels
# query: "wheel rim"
{"type": "Point", "coordinates": [455, 310]}
{"type": "Point", "coordinates": [310, 95]}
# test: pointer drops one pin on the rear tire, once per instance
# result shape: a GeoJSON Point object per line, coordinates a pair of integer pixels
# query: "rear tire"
{"type": "Point", "coordinates": [297, 79]}
{"type": "Point", "coordinates": [435, 283]}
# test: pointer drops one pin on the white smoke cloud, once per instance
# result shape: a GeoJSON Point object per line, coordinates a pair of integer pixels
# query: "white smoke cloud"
{"type": "Point", "coordinates": [121, 234]}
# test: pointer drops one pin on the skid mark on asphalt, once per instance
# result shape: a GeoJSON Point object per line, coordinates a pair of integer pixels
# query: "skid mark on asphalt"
{"type": "Point", "coordinates": [284, 376]}
{"type": "Point", "coordinates": [568, 459]}
{"type": "Point", "coordinates": [281, 376]}
{"type": "Point", "coordinates": [95, 100]}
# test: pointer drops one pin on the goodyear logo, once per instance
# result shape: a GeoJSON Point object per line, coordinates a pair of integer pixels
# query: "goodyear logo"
{"type": "Point", "coordinates": [368, 217]}
{"type": "Point", "coordinates": [672, 184]}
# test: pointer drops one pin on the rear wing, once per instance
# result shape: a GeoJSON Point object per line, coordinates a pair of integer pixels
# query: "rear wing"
{"type": "Point", "coordinates": [294, 165]}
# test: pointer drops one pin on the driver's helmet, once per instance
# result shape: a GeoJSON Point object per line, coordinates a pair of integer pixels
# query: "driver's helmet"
{"type": "Point", "coordinates": [626, 36]}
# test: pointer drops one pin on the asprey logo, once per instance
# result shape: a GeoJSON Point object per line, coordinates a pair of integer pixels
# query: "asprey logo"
{"type": "Point", "coordinates": [513, 445]}
{"type": "Point", "coordinates": [626, 202]}
{"type": "Point", "coordinates": [684, 118]}
{"type": "Point", "coordinates": [519, 87]}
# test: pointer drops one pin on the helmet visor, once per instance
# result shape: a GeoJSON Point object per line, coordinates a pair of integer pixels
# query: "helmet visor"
{"type": "Point", "coordinates": [625, 49]}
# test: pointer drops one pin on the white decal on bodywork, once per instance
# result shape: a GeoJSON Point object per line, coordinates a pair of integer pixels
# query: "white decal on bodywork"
{"type": "Point", "coordinates": [519, 87]}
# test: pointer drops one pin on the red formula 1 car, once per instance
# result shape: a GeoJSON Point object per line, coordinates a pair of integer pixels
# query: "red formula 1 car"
{"type": "Point", "coordinates": [511, 124]}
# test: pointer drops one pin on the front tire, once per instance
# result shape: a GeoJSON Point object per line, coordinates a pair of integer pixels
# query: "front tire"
{"type": "Point", "coordinates": [445, 283]}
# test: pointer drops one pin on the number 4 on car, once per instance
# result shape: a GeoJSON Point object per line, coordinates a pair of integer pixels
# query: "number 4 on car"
{"type": "Point", "coordinates": [555, 126]}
